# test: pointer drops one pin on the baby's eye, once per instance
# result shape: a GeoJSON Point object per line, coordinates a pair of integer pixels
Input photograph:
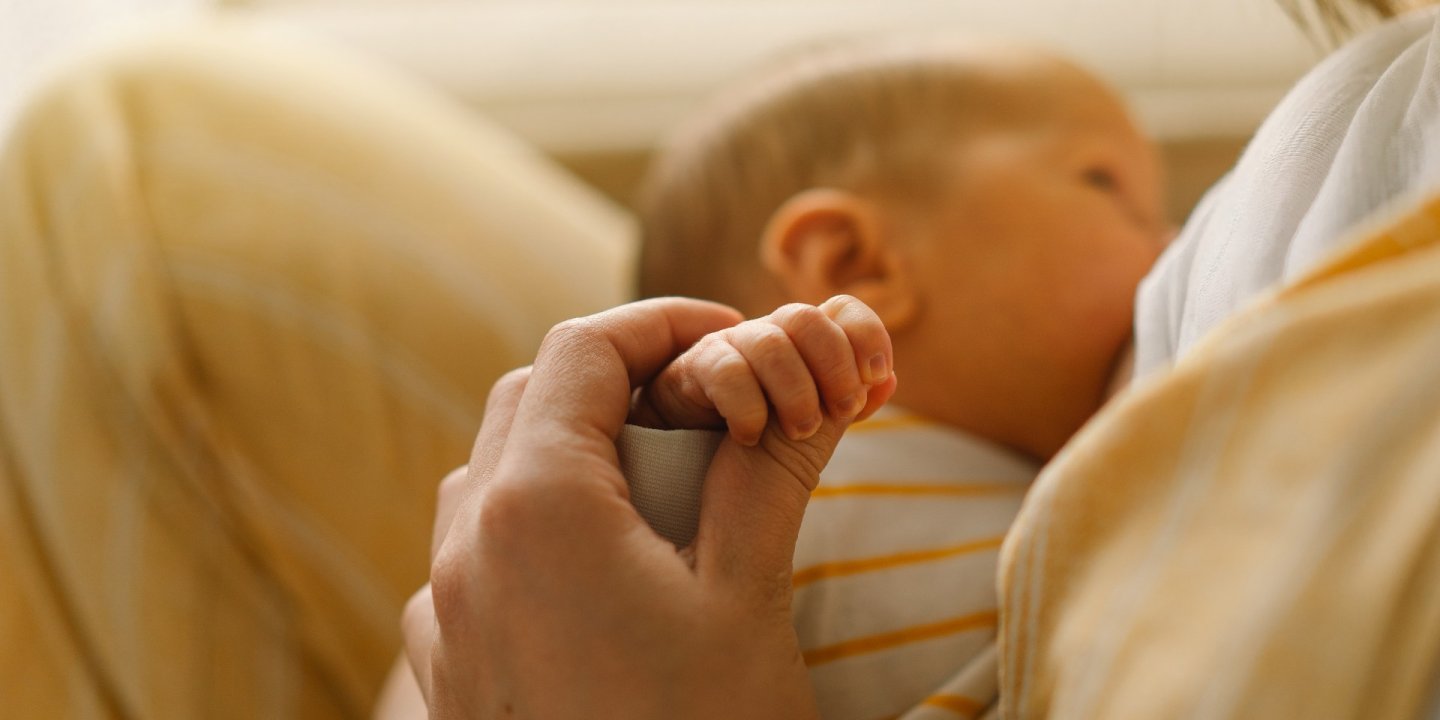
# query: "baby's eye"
{"type": "Point", "coordinates": [1102, 179]}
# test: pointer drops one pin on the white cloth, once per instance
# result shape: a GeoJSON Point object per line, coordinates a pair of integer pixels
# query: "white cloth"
{"type": "Point", "coordinates": [1359, 135]}
{"type": "Point", "coordinates": [665, 470]}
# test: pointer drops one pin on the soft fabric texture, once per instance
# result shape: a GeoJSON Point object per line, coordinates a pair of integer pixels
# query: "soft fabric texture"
{"type": "Point", "coordinates": [252, 298]}
{"type": "Point", "coordinates": [895, 601]}
{"type": "Point", "coordinates": [665, 471]}
{"type": "Point", "coordinates": [1254, 533]}
{"type": "Point", "coordinates": [1359, 134]}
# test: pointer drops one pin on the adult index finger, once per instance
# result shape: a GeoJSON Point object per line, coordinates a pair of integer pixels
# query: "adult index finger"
{"type": "Point", "coordinates": [579, 390]}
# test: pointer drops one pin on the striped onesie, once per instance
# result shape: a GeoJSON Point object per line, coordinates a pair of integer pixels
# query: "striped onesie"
{"type": "Point", "coordinates": [895, 601]}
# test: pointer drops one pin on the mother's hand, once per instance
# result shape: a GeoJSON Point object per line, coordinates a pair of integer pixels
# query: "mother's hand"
{"type": "Point", "coordinates": [553, 599]}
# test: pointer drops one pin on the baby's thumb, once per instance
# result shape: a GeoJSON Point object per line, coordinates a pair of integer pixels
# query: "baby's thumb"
{"type": "Point", "coordinates": [754, 499]}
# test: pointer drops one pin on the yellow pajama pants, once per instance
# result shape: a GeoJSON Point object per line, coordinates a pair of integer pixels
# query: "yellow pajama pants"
{"type": "Point", "coordinates": [252, 297]}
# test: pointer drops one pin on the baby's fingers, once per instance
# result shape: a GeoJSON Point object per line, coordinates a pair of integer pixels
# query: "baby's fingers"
{"type": "Point", "coordinates": [731, 386]}
{"type": "Point", "coordinates": [874, 356]}
{"type": "Point", "coordinates": [790, 361]}
{"type": "Point", "coordinates": [827, 353]}
{"type": "Point", "coordinates": [710, 385]}
{"type": "Point", "coordinates": [782, 373]}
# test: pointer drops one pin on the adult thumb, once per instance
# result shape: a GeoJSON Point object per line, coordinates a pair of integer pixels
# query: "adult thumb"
{"type": "Point", "coordinates": [751, 507]}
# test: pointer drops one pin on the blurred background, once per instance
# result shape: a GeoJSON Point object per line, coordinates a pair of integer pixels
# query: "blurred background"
{"type": "Point", "coordinates": [594, 83]}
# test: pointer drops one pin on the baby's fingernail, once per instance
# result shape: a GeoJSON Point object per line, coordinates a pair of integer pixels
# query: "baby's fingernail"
{"type": "Point", "coordinates": [850, 406]}
{"type": "Point", "coordinates": [806, 429]}
{"type": "Point", "coordinates": [879, 369]}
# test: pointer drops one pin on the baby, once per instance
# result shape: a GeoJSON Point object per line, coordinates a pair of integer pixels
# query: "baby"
{"type": "Point", "coordinates": [996, 208]}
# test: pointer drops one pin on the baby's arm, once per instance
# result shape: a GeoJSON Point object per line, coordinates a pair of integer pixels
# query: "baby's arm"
{"type": "Point", "coordinates": [791, 361]}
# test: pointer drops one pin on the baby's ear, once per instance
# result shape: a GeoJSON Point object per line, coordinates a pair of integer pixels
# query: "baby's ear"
{"type": "Point", "coordinates": [824, 242]}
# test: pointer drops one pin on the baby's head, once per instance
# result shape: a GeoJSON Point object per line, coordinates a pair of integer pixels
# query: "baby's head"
{"type": "Point", "coordinates": [996, 206]}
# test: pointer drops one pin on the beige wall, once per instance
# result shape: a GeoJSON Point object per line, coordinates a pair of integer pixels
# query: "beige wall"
{"type": "Point", "coordinates": [596, 82]}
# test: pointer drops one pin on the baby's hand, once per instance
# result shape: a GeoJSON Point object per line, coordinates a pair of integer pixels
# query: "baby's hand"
{"type": "Point", "coordinates": [790, 360]}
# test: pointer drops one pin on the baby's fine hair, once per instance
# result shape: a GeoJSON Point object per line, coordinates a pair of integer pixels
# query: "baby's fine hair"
{"type": "Point", "coordinates": [871, 118]}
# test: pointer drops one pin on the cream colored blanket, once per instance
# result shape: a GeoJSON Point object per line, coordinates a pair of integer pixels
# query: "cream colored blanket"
{"type": "Point", "coordinates": [252, 296]}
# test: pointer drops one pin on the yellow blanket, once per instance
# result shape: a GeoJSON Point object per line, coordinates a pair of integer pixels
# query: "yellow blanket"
{"type": "Point", "coordinates": [1255, 534]}
{"type": "Point", "coordinates": [252, 298]}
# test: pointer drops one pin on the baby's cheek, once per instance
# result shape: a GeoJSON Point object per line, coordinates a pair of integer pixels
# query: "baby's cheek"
{"type": "Point", "coordinates": [1103, 308]}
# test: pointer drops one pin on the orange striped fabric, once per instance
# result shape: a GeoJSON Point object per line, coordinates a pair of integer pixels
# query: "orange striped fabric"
{"type": "Point", "coordinates": [895, 595]}
{"type": "Point", "coordinates": [946, 707]}
{"type": "Point", "coordinates": [934, 489]}
{"type": "Point", "coordinates": [958, 704]}
{"type": "Point", "coordinates": [901, 637]}
{"type": "Point", "coordinates": [841, 568]}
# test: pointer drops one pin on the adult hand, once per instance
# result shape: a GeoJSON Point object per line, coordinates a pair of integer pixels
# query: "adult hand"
{"type": "Point", "coordinates": [553, 599]}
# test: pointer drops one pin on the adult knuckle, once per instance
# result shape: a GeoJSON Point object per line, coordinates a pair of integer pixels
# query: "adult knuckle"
{"type": "Point", "coordinates": [453, 485]}
{"type": "Point", "coordinates": [511, 383]}
{"type": "Point", "coordinates": [498, 510]}
{"type": "Point", "coordinates": [497, 527]}
{"type": "Point", "coordinates": [449, 589]}
{"type": "Point", "coordinates": [418, 613]}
